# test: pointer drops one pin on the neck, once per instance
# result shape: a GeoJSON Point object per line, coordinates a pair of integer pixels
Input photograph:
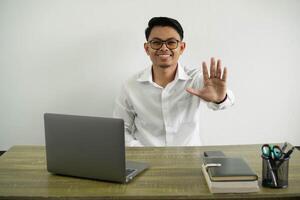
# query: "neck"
{"type": "Point", "coordinates": [163, 76]}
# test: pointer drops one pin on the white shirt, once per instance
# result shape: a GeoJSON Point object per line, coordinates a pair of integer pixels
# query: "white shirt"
{"type": "Point", "coordinates": [157, 116]}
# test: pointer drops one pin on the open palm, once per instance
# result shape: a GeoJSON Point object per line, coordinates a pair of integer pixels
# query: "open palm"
{"type": "Point", "coordinates": [214, 89]}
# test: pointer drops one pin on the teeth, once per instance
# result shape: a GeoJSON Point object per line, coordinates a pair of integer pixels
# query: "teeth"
{"type": "Point", "coordinates": [164, 56]}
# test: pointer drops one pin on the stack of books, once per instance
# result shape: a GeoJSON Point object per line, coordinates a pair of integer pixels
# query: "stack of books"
{"type": "Point", "coordinates": [229, 175]}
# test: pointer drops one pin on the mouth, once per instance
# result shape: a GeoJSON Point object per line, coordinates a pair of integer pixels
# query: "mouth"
{"type": "Point", "coordinates": [164, 56]}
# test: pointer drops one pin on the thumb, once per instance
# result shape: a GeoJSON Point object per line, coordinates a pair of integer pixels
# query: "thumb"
{"type": "Point", "coordinates": [199, 93]}
{"type": "Point", "coordinates": [194, 92]}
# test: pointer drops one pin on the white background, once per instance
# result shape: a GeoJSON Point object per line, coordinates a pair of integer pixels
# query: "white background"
{"type": "Point", "coordinates": [72, 56]}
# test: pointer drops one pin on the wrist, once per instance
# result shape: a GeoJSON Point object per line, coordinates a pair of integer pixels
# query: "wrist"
{"type": "Point", "coordinates": [222, 100]}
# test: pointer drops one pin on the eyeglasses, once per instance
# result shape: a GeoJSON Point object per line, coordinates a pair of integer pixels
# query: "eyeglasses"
{"type": "Point", "coordinates": [156, 44]}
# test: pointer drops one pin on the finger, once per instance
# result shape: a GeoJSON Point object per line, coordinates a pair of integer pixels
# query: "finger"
{"type": "Point", "coordinates": [205, 71]}
{"type": "Point", "coordinates": [212, 68]}
{"type": "Point", "coordinates": [224, 77]}
{"type": "Point", "coordinates": [219, 69]}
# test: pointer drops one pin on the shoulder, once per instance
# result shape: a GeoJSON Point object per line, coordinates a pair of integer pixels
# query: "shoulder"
{"type": "Point", "coordinates": [141, 76]}
{"type": "Point", "coordinates": [195, 77]}
{"type": "Point", "coordinates": [194, 73]}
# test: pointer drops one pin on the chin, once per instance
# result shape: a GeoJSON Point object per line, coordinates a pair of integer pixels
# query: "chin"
{"type": "Point", "coordinates": [164, 66]}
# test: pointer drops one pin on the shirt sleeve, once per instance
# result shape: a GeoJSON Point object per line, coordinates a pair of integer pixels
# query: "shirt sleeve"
{"type": "Point", "coordinates": [227, 103]}
{"type": "Point", "coordinates": [124, 109]}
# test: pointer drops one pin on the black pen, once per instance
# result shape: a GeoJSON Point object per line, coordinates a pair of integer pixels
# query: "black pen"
{"type": "Point", "coordinates": [287, 155]}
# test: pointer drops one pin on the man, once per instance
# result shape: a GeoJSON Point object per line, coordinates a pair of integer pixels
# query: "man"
{"type": "Point", "coordinates": [160, 105]}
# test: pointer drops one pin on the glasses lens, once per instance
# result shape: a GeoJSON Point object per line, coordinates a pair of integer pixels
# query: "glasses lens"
{"type": "Point", "coordinates": [172, 44]}
{"type": "Point", "coordinates": [156, 44]}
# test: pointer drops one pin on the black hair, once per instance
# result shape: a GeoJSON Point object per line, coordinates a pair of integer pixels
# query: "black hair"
{"type": "Point", "coordinates": [163, 21]}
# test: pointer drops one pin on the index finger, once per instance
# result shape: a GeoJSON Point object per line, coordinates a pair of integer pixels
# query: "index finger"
{"type": "Point", "coordinates": [205, 71]}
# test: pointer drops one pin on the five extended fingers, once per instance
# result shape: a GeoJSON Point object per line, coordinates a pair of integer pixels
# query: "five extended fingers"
{"type": "Point", "coordinates": [215, 70]}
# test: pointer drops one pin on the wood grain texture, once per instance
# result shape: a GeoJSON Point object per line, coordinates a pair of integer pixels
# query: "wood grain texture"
{"type": "Point", "coordinates": [174, 173]}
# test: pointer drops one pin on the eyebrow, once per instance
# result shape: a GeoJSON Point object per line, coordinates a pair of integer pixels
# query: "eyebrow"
{"type": "Point", "coordinates": [156, 38]}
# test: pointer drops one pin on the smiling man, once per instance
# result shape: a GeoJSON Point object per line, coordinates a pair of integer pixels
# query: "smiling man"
{"type": "Point", "coordinates": [160, 105]}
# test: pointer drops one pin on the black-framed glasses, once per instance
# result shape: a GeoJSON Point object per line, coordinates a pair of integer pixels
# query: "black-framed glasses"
{"type": "Point", "coordinates": [156, 44]}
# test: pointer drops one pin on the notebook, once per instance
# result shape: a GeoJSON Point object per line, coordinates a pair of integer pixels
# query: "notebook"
{"type": "Point", "coordinates": [88, 147]}
{"type": "Point", "coordinates": [229, 186]}
{"type": "Point", "coordinates": [229, 169]}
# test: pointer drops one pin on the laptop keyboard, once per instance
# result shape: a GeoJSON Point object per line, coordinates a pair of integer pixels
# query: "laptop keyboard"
{"type": "Point", "coordinates": [129, 171]}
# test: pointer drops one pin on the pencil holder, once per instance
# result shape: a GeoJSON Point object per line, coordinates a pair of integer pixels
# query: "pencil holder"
{"type": "Point", "coordinates": [275, 173]}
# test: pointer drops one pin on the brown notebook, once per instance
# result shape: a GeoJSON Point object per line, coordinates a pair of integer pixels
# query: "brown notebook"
{"type": "Point", "coordinates": [229, 169]}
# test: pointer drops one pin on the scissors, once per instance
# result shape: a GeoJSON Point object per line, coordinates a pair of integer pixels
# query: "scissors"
{"type": "Point", "coordinates": [271, 152]}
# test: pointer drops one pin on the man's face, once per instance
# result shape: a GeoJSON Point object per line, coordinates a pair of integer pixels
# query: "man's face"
{"type": "Point", "coordinates": [164, 57]}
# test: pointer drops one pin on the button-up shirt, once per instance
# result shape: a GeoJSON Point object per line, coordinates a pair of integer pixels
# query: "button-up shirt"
{"type": "Point", "coordinates": [169, 116]}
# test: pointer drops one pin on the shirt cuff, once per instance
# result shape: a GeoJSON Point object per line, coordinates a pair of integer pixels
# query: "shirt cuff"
{"type": "Point", "coordinates": [227, 102]}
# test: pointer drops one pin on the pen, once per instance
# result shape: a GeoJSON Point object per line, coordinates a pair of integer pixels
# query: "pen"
{"type": "Point", "coordinates": [286, 156]}
{"type": "Point", "coordinates": [284, 147]}
{"type": "Point", "coordinates": [289, 152]}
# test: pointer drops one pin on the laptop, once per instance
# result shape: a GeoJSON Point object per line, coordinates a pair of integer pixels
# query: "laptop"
{"type": "Point", "coordinates": [88, 147]}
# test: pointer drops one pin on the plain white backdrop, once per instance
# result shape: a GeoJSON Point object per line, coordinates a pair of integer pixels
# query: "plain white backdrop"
{"type": "Point", "coordinates": [72, 56]}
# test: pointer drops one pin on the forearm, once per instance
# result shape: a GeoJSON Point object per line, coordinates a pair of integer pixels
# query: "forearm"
{"type": "Point", "coordinates": [124, 110]}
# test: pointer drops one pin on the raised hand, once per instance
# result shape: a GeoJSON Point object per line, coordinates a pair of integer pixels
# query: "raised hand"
{"type": "Point", "coordinates": [214, 89]}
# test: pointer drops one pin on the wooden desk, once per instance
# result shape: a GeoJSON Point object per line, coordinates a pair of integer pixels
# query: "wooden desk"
{"type": "Point", "coordinates": [175, 173]}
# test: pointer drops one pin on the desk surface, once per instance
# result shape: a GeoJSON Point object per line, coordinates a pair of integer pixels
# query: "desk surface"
{"type": "Point", "coordinates": [175, 173]}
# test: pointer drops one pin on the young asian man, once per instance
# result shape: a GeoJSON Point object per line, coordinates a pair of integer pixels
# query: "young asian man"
{"type": "Point", "coordinates": [160, 105]}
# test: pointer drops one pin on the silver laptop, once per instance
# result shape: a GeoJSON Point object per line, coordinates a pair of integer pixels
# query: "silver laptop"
{"type": "Point", "coordinates": [88, 147]}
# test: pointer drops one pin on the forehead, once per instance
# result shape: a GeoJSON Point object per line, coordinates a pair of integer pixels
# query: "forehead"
{"type": "Point", "coordinates": [163, 32]}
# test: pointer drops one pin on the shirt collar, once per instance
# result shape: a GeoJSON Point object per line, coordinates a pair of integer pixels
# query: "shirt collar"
{"type": "Point", "coordinates": [181, 74]}
{"type": "Point", "coordinates": [146, 75]}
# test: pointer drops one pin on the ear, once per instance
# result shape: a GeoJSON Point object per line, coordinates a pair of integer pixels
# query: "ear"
{"type": "Point", "coordinates": [146, 47]}
{"type": "Point", "coordinates": [182, 47]}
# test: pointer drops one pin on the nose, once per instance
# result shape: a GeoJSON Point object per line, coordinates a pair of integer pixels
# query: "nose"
{"type": "Point", "coordinates": [164, 47]}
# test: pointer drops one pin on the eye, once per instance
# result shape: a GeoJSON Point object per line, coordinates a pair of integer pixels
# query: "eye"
{"type": "Point", "coordinates": [172, 44]}
{"type": "Point", "coordinates": [156, 42]}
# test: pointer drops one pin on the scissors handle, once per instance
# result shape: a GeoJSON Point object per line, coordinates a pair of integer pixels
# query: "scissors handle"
{"type": "Point", "coordinates": [271, 151]}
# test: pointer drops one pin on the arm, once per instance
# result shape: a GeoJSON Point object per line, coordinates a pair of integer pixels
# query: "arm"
{"type": "Point", "coordinates": [123, 109]}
